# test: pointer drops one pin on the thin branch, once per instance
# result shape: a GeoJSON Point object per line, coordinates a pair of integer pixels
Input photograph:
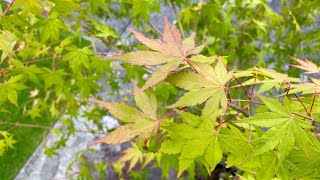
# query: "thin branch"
{"type": "Point", "coordinates": [239, 109]}
{"type": "Point", "coordinates": [302, 104]}
{"type": "Point", "coordinates": [254, 83]}
{"type": "Point", "coordinates": [232, 116]}
{"type": "Point", "coordinates": [288, 88]}
{"type": "Point", "coordinates": [169, 114]}
{"type": "Point", "coordinates": [177, 17]}
{"type": "Point", "coordinates": [155, 28]}
{"type": "Point", "coordinates": [225, 112]}
{"type": "Point", "coordinates": [238, 82]}
{"type": "Point", "coordinates": [41, 59]}
{"type": "Point", "coordinates": [243, 100]}
{"type": "Point", "coordinates": [191, 65]}
{"type": "Point", "coordinates": [16, 124]}
{"type": "Point", "coordinates": [229, 96]}
{"type": "Point", "coordinates": [314, 98]}
{"type": "Point", "coordinates": [309, 118]}
{"type": "Point", "coordinates": [8, 8]}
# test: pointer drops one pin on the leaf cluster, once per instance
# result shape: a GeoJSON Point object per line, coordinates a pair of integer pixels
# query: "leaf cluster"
{"type": "Point", "coordinates": [276, 142]}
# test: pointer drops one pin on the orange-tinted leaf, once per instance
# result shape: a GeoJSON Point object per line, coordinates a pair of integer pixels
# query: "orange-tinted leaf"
{"type": "Point", "coordinates": [146, 101]}
{"type": "Point", "coordinates": [306, 65]}
{"type": "Point", "coordinates": [160, 74]}
{"type": "Point", "coordinates": [188, 44]}
{"type": "Point", "coordinates": [154, 44]}
{"type": "Point", "coordinates": [122, 111]}
{"type": "Point", "coordinates": [197, 49]}
{"type": "Point", "coordinates": [172, 36]}
{"type": "Point", "coordinates": [120, 135]}
{"type": "Point", "coordinates": [158, 45]}
{"type": "Point", "coordinates": [144, 58]}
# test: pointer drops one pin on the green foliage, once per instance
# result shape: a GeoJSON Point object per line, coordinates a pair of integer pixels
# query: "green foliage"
{"type": "Point", "coordinates": [6, 142]}
{"type": "Point", "coordinates": [49, 67]}
{"type": "Point", "coordinates": [219, 130]}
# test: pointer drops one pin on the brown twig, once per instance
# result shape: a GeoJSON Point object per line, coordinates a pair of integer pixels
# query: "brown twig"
{"type": "Point", "coordinates": [254, 83]}
{"type": "Point", "coordinates": [243, 100]}
{"type": "Point", "coordinates": [229, 96]}
{"type": "Point", "coordinates": [232, 116]}
{"type": "Point", "coordinates": [302, 104]}
{"type": "Point", "coordinates": [239, 109]}
{"type": "Point", "coordinates": [288, 88]}
{"type": "Point", "coordinates": [41, 59]}
{"type": "Point", "coordinates": [314, 98]}
{"type": "Point", "coordinates": [238, 82]}
{"type": "Point", "coordinates": [16, 124]}
{"type": "Point", "coordinates": [8, 8]}
{"type": "Point", "coordinates": [169, 114]}
{"type": "Point", "coordinates": [309, 118]}
{"type": "Point", "coordinates": [191, 65]}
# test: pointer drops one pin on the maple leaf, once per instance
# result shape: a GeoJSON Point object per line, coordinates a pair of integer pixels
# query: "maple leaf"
{"type": "Point", "coordinates": [208, 85]}
{"type": "Point", "coordinates": [138, 122]}
{"type": "Point", "coordinates": [304, 88]}
{"type": "Point", "coordinates": [284, 127]}
{"type": "Point", "coordinates": [171, 51]}
{"type": "Point", "coordinates": [270, 78]}
{"type": "Point", "coordinates": [196, 138]}
{"type": "Point", "coordinates": [238, 147]}
{"type": "Point", "coordinates": [305, 157]}
{"type": "Point", "coordinates": [306, 65]}
{"type": "Point", "coordinates": [135, 156]}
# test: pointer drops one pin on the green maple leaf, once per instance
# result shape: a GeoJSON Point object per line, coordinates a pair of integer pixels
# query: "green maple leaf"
{"type": "Point", "coordinates": [196, 138]}
{"type": "Point", "coordinates": [10, 88]}
{"type": "Point", "coordinates": [171, 51]}
{"type": "Point", "coordinates": [138, 122]}
{"type": "Point", "coordinates": [270, 78]}
{"type": "Point", "coordinates": [239, 148]}
{"type": "Point", "coordinates": [302, 163]}
{"type": "Point", "coordinates": [285, 128]}
{"type": "Point", "coordinates": [134, 155]}
{"type": "Point", "coordinates": [208, 85]}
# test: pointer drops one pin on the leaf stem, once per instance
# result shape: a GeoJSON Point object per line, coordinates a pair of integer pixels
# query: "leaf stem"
{"type": "Point", "coordinates": [314, 98]}
{"type": "Point", "coordinates": [8, 8]}
{"type": "Point", "coordinates": [224, 121]}
{"type": "Point", "coordinates": [169, 114]}
{"type": "Point", "coordinates": [41, 59]}
{"type": "Point", "coordinates": [309, 118]}
{"type": "Point", "coordinates": [249, 101]}
{"type": "Point", "coordinates": [302, 104]}
{"type": "Point", "coordinates": [254, 83]}
{"type": "Point", "coordinates": [191, 65]}
{"type": "Point", "coordinates": [238, 82]}
{"type": "Point", "coordinates": [288, 88]}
